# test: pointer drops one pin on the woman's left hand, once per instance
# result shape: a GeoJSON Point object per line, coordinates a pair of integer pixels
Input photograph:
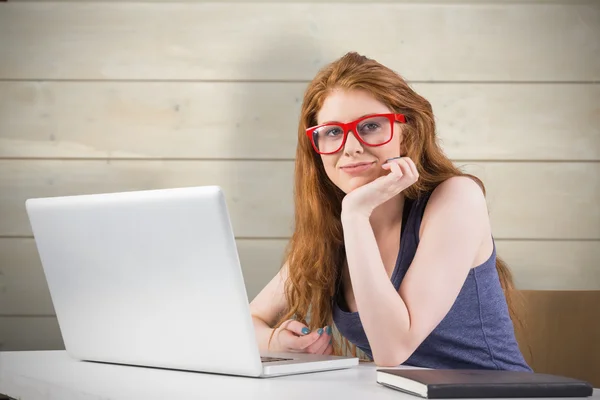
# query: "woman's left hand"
{"type": "Point", "coordinates": [363, 200]}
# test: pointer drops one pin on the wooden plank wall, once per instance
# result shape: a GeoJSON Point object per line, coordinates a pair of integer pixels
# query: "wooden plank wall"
{"type": "Point", "coordinates": [114, 96]}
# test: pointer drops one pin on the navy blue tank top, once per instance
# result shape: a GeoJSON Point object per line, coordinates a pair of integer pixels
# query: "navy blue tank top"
{"type": "Point", "coordinates": [476, 333]}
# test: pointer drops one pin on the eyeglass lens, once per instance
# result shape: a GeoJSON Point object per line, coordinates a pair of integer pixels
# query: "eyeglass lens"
{"type": "Point", "coordinates": [373, 131]}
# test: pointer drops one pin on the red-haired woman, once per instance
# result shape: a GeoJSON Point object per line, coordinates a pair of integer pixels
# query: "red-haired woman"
{"type": "Point", "coordinates": [392, 243]}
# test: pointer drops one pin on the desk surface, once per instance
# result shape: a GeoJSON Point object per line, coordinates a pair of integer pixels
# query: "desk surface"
{"type": "Point", "coordinates": [53, 375]}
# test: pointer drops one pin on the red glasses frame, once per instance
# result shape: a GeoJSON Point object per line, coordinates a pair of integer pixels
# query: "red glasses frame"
{"type": "Point", "coordinates": [351, 126]}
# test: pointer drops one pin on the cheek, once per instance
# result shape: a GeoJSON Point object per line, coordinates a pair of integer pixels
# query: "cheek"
{"type": "Point", "coordinates": [390, 150]}
{"type": "Point", "coordinates": [398, 140]}
{"type": "Point", "coordinates": [329, 164]}
{"type": "Point", "coordinates": [394, 148]}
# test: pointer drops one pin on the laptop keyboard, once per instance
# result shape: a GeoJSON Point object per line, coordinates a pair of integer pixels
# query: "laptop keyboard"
{"type": "Point", "coordinates": [273, 359]}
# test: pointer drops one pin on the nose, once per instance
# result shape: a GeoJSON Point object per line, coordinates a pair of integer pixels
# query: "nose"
{"type": "Point", "coordinates": [352, 145]}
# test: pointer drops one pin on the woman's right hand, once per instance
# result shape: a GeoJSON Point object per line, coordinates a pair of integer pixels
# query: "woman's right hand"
{"type": "Point", "coordinates": [295, 337]}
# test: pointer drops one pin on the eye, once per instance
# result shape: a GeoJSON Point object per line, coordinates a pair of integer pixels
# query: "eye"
{"type": "Point", "coordinates": [369, 127]}
{"type": "Point", "coordinates": [331, 131]}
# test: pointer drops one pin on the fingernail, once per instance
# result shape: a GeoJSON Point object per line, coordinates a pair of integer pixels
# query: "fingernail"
{"type": "Point", "coordinates": [390, 159]}
{"type": "Point", "coordinates": [305, 331]}
{"type": "Point", "coordinates": [329, 330]}
{"type": "Point", "coordinates": [320, 331]}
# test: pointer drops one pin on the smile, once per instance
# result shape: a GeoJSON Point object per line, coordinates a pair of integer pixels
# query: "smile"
{"type": "Point", "coordinates": [357, 168]}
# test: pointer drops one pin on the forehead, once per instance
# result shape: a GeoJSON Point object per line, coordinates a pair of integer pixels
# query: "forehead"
{"type": "Point", "coordinates": [348, 105]}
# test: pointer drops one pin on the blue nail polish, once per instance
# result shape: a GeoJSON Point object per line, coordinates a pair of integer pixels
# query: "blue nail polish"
{"type": "Point", "coordinates": [329, 330]}
{"type": "Point", "coordinates": [320, 331]}
{"type": "Point", "coordinates": [305, 331]}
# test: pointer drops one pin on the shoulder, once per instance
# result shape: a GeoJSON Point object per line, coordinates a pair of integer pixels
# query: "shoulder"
{"type": "Point", "coordinates": [459, 190]}
{"type": "Point", "coordinates": [457, 199]}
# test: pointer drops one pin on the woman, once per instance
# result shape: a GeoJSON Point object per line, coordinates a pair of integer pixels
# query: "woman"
{"type": "Point", "coordinates": [388, 229]}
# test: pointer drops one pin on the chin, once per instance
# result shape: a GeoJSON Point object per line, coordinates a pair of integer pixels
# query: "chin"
{"type": "Point", "coordinates": [354, 183]}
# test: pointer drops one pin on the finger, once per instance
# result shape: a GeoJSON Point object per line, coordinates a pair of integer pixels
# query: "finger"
{"type": "Point", "coordinates": [303, 342]}
{"type": "Point", "coordinates": [325, 344]}
{"type": "Point", "coordinates": [395, 168]}
{"type": "Point", "coordinates": [289, 340]}
{"type": "Point", "coordinates": [320, 344]}
{"type": "Point", "coordinates": [296, 326]}
{"type": "Point", "coordinates": [413, 167]}
{"type": "Point", "coordinates": [389, 160]}
{"type": "Point", "coordinates": [411, 170]}
{"type": "Point", "coordinates": [388, 163]}
{"type": "Point", "coordinates": [329, 350]}
{"type": "Point", "coordinates": [329, 343]}
{"type": "Point", "coordinates": [404, 166]}
{"type": "Point", "coordinates": [289, 331]}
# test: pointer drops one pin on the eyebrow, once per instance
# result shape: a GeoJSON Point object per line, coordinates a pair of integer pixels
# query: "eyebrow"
{"type": "Point", "coordinates": [330, 122]}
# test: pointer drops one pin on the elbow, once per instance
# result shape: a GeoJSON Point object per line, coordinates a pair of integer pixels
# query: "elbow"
{"type": "Point", "coordinates": [391, 358]}
{"type": "Point", "coordinates": [386, 363]}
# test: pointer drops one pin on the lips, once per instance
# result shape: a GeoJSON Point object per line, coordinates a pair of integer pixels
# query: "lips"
{"type": "Point", "coordinates": [357, 168]}
{"type": "Point", "coordinates": [356, 165]}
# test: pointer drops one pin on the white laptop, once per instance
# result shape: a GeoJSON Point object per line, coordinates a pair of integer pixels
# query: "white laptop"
{"type": "Point", "coordinates": [153, 278]}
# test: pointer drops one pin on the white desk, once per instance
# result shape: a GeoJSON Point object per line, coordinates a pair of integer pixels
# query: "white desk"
{"type": "Point", "coordinates": [53, 375]}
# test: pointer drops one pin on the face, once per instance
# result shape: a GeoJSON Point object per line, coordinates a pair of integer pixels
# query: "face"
{"type": "Point", "coordinates": [356, 164]}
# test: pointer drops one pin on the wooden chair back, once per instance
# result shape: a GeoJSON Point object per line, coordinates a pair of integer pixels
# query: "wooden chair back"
{"type": "Point", "coordinates": [561, 332]}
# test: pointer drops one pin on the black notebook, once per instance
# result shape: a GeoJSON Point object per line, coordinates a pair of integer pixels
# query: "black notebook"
{"type": "Point", "coordinates": [456, 383]}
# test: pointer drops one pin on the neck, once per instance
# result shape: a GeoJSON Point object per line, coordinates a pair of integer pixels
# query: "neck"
{"type": "Point", "coordinates": [388, 216]}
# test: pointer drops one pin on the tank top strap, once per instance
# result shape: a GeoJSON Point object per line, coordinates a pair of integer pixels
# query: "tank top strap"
{"type": "Point", "coordinates": [409, 236]}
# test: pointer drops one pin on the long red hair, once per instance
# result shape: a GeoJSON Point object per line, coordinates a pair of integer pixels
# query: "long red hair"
{"type": "Point", "coordinates": [315, 252]}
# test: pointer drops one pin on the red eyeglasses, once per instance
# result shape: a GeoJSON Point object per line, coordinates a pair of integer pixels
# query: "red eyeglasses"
{"type": "Point", "coordinates": [371, 130]}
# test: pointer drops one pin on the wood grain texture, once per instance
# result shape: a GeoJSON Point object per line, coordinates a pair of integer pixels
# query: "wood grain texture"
{"type": "Point", "coordinates": [539, 265]}
{"type": "Point", "coordinates": [526, 200]}
{"type": "Point", "coordinates": [459, 42]}
{"type": "Point", "coordinates": [561, 333]}
{"type": "Point", "coordinates": [259, 120]}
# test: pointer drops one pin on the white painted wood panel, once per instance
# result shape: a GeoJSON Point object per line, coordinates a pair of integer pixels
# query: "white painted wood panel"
{"type": "Point", "coordinates": [23, 287]}
{"type": "Point", "coordinates": [258, 193]}
{"type": "Point", "coordinates": [541, 200]}
{"type": "Point", "coordinates": [451, 2]}
{"type": "Point", "coordinates": [526, 200]}
{"type": "Point", "coordinates": [259, 120]}
{"type": "Point", "coordinates": [537, 265]}
{"type": "Point", "coordinates": [24, 291]}
{"type": "Point", "coordinates": [553, 265]}
{"type": "Point", "coordinates": [183, 41]}
{"type": "Point", "coordinates": [30, 333]}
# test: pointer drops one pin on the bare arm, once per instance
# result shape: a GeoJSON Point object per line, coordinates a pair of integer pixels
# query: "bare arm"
{"type": "Point", "coordinates": [267, 306]}
{"type": "Point", "coordinates": [292, 335]}
{"type": "Point", "coordinates": [453, 228]}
